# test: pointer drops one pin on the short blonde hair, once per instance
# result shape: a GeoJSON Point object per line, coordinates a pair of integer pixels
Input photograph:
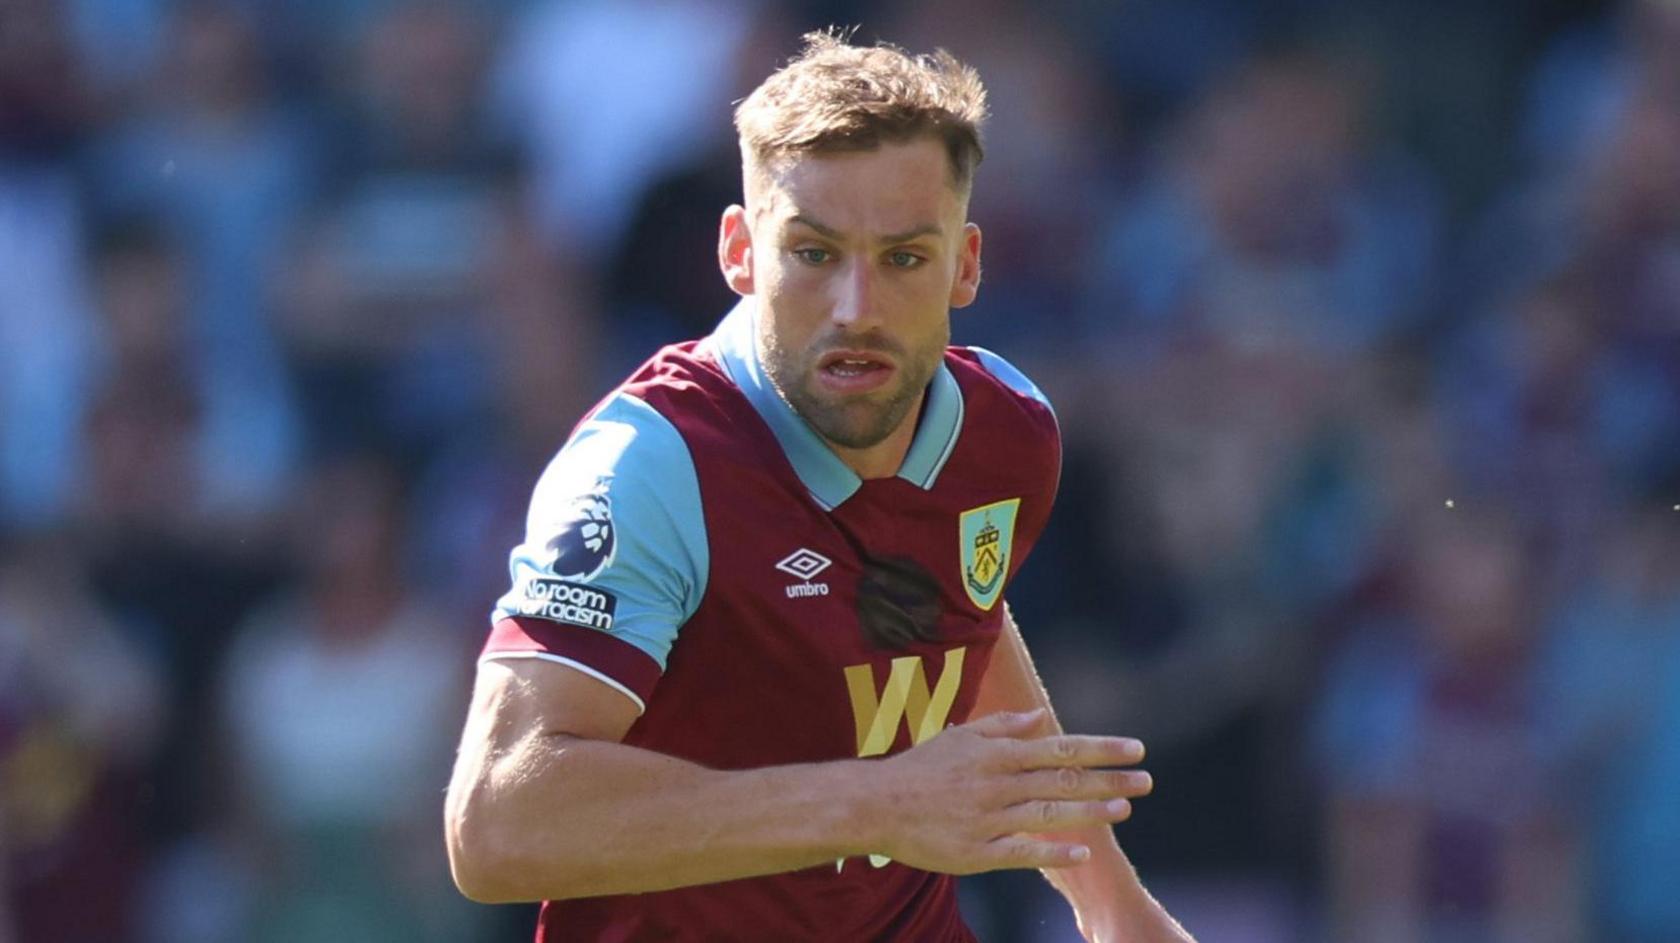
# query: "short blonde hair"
{"type": "Point", "coordinates": [835, 97]}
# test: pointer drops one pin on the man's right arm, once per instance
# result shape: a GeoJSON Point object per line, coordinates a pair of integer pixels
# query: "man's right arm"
{"type": "Point", "coordinates": [546, 803]}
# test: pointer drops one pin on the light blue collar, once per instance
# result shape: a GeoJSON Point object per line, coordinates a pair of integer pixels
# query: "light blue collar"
{"type": "Point", "coordinates": [829, 480]}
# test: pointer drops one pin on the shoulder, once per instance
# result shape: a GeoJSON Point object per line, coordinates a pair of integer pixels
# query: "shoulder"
{"type": "Point", "coordinates": [992, 370]}
{"type": "Point", "coordinates": [638, 447]}
{"type": "Point", "coordinates": [1006, 373]}
{"type": "Point", "coordinates": [643, 429]}
{"type": "Point", "coordinates": [623, 434]}
{"type": "Point", "coordinates": [622, 488]}
{"type": "Point", "coordinates": [993, 384]}
{"type": "Point", "coordinates": [626, 471]}
{"type": "Point", "coordinates": [623, 443]}
{"type": "Point", "coordinates": [1005, 414]}
{"type": "Point", "coordinates": [682, 379]}
{"type": "Point", "coordinates": [691, 390]}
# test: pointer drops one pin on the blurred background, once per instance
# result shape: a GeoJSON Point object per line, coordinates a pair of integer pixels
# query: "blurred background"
{"type": "Point", "coordinates": [1362, 319]}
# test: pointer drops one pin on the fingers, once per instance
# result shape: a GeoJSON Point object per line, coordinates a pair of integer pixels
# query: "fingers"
{"type": "Point", "coordinates": [1073, 783]}
{"type": "Point", "coordinates": [1008, 723]}
{"type": "Point", "coordinates": [1077, 751]}
{"type": "Point", "coordinates": [1054, 815]}
{"type": "Point", "coordinates": [1019, 851]}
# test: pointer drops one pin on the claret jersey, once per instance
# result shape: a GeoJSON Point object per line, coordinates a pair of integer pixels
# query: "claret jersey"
{"type": "Point", "coordinates": [697, 546]}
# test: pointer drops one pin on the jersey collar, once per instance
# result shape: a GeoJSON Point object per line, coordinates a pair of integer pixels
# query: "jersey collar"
{"type": "Point", "coordinates": [829, 479]}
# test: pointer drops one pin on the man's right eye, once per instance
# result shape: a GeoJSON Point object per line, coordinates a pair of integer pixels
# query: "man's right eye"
{"type": "Point", "coordinates": [812, 256]}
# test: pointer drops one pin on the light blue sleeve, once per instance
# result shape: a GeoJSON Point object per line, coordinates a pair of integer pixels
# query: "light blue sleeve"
{"type": "Point", "coordinates": [615, 539]}
{"type": "Point", "coordinates": [1011, 377]}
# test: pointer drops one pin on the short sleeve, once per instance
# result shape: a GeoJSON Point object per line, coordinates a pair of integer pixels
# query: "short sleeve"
{"type": "Point", "coordinates": [614, 559]}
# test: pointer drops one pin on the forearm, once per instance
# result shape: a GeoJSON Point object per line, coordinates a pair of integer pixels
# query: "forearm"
{"type": "Point", "coordinates": [1108, 899]}
{"type": "Point", "coordinates": [564, 817]}
{"type": "Point", "coordinates": [547, 803]}
{"type": "Point", "coordinates": [1106, 895]}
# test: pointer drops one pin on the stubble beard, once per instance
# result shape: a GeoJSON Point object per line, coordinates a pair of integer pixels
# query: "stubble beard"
{"type": "Point", "coordinates": [851, 422]}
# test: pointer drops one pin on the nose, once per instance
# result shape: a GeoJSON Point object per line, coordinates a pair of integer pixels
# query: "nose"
{"type": "Point", "coordinates": [854, 295]}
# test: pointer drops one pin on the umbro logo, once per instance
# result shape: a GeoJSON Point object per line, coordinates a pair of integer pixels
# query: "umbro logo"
{"type": "Point", "coordinates": [804, 564]}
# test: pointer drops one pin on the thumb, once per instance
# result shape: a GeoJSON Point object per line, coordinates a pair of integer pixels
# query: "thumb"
{"type": "Point", "coordinates": [1009, 723]}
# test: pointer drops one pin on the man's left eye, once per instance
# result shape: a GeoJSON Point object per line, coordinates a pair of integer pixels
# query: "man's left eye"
{"type": "Point", "coordinates": [902, 259]}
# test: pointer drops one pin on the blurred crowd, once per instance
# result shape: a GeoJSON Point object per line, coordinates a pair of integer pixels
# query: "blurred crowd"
{"type": "Point", "coordinates": [1362, 320]}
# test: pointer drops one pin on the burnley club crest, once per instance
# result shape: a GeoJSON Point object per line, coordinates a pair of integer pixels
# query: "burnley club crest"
{"type": "Point", "coordinates": [986, 535]}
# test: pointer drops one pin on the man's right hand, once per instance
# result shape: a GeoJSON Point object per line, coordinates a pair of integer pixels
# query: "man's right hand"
{"type": "Point", "coordinates": [978, 796]}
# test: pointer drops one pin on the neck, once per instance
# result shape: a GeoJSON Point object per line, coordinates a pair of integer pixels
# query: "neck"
{"type": "Point", "coordinates": [886, 457]}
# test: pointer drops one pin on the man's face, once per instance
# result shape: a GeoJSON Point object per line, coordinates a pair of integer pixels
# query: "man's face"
{"type": "Point", "coordinates": [856, 260]}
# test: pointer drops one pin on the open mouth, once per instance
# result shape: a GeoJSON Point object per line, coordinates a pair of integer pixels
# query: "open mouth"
{"type": "Point", "coordinates": [854, 371]}
{"type": "Point", "coordinates": [853, 368]}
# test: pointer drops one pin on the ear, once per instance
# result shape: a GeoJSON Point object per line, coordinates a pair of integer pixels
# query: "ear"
{"type": "Point", "coordinates": [735, 253]}
{"type": "Point", "coordinates": [967, 284]}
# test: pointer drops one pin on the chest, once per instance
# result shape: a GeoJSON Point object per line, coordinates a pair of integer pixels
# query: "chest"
{"type": "Point", "coordinates": [894, 568]}
{"type": "Point", "coordinates": [854, 631]}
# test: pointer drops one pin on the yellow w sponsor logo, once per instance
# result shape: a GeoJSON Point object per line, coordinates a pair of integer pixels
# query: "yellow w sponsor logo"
{"type": "Point", "coordinates": [905, 697]}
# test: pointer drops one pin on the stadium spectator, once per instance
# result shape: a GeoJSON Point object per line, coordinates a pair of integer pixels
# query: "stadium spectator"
{"type": "Point", "coordinates": [383, 316]}
{"type": "Point", "coordinates": [81, 711]}
{"type": "Point", "coordinates": [212, 156]}
{"type": "Point", "coordinates": [1612, 698]}
{"type": "Point", "coordinates": [337, 702]}
{"type": "Point", "coordinates": [603, 96]}
{"type": "Point", "coordinates": [1274, 219]}
{"type": "Point", "coordinates": [1445, 818]}
{"type": "Point", "coordinates": [47, 339]}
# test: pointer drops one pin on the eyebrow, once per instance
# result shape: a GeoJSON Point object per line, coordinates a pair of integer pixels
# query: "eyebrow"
{"type": "Point", "coordinates": [926, 229]}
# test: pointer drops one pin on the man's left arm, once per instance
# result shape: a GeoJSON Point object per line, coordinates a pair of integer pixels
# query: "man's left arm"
{"type": "Point", "coordinates": [1108, 900]}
